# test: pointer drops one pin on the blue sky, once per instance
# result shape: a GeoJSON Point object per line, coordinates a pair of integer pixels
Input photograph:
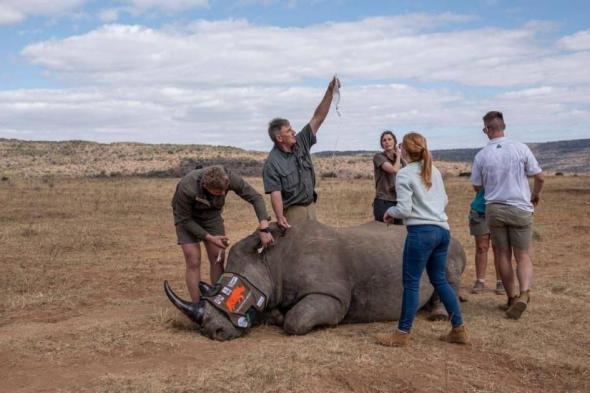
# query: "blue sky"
{"type": "Point", "coordinates": [215, 72]}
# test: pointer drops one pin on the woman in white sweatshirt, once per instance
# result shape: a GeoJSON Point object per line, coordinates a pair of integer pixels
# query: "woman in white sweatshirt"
{"type": "Point", "coordinates": [421, 202]}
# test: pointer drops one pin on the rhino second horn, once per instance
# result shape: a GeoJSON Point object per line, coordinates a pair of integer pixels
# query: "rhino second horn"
{"type": "Point", "coordinates": [192, 310]}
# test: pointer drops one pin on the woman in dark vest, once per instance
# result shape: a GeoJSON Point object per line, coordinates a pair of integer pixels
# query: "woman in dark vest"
{"type": "Point", "coordinates": [386, 164]}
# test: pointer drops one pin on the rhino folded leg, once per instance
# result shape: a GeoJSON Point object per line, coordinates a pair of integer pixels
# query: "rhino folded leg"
{"type": "Point", "coordinates": [438, 311]}
{"type": "Point", "coordinates": [312, 311]}
{"type": "Point", "coordinates": [273, 317]}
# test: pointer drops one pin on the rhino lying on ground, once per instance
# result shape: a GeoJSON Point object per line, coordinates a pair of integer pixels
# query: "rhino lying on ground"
{"type": "Point", "coordinates": [316, 275]}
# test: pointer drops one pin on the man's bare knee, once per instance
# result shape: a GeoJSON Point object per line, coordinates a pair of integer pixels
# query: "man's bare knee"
{"type": "Point", "coordinates": [193, 264]}
{"type": "Point", "coordinates": [482, 249]}
{"type": "Point", "coordinates": [521, 255]}
{"type": "Point", "coordinates": [192, 258]}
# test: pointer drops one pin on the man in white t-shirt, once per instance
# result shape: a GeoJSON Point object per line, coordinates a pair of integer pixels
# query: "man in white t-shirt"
{"type": "Point", "coordinates": [502, 168]}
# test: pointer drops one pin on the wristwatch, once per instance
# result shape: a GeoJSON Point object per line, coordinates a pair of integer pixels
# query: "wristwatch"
{"type": "Point", "coordinates": [267, 230]}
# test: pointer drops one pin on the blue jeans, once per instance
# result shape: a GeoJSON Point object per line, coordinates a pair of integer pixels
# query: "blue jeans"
{"type": "Point", "coordinates": [426, 246]}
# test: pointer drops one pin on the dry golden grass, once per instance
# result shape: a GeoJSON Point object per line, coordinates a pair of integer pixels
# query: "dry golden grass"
{"type": "Point", "coordinates": [82, 307]}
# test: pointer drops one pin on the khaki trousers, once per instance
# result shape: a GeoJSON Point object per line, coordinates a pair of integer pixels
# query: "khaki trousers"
{"type": "Point", "coordinates": [509, 226]}
{"type": "Point", "coordinates": [299, 212]}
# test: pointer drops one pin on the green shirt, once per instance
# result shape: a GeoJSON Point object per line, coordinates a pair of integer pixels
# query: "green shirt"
{"type": "Point", "coordinates": [192, 204]}
{"type": "Point", "coordinates": [292, 173]}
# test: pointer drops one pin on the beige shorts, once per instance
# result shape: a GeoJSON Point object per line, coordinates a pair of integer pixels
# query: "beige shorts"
{"type": "Point", "coordinates": [509, 226]}
{"type": "Point", "coordinates": [477, 224]}
{"type": "Point", "coordinates": [214, 227]}
{"type": "Point", "coordinates": [299, 212]}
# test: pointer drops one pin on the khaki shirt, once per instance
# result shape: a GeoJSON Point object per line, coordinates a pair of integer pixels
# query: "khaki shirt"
{"type": "Point", "coordinates": [192, 204]}
{"type": "Point", "coordinates": [292, 173]}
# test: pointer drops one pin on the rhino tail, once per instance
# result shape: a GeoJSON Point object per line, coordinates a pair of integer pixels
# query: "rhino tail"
{"type": "Point", "coordinates": [194, 311]}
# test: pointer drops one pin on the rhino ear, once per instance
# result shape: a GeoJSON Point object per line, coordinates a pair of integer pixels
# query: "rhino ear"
{"type": "Point", "coordinates": [194, 311]}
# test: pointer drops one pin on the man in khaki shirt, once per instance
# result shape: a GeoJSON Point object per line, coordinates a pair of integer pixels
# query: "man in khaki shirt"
{"type": "Point", "coordinates": [288, 172]}
{"type": "Point", "coordinates": [197, 206]}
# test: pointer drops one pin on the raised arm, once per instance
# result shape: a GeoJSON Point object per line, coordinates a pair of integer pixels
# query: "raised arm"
{"type": "Point", "coordinates": [396, 166]}
{"type": "Point", "coordinates": [324, 107]}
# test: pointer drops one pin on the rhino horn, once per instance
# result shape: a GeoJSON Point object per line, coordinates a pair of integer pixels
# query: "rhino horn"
{"type": "Point", "coordinates": [192, 310]}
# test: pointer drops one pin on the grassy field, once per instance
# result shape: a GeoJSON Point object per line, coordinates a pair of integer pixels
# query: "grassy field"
{"type": "Point", "coordinates": [82, 307]}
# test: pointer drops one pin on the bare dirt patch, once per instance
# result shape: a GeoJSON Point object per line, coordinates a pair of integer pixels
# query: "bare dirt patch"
{"type": "Point", "coordinates": [82, 307]}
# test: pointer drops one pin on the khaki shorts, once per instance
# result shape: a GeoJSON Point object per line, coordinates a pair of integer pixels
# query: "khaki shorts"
{"type": "Point", "coordinates": [509, 226]}
{"type": "Point", "coordinates": [477, 224]}
{"type": "Point", "coordinates": [299, 212]}
{"type": "Point", "coordinates": [214, 227]}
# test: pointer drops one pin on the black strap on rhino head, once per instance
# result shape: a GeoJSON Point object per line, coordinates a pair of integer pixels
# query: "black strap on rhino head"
{"type": "Point", "coordinates": [238, 299]}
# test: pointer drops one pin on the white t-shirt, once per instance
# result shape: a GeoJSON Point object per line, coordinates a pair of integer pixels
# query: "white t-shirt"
{"type": "Point", "coordinates": [502, 168]}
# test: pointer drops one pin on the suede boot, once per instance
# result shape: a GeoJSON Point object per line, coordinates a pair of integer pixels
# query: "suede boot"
{"type": "Point", "coordinates": [515, 311]}
{"type": "Point", "coordinates": [508, 304]}
{"type": "Point", "coordinates": [457, 335]}
{"type": "Point", "coordinates": [394, 339]}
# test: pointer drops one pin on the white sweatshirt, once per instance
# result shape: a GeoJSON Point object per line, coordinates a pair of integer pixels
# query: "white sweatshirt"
{"type": "Point", "coordinates": [416, 204]}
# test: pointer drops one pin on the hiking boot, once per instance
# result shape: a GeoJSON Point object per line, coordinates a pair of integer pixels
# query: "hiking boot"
{"type": "Point", "coordinates": [500, 288]}
{"type": "Point", "coordinates": [516, 310]}
{"type": "Point", "coordinates": [508, 304]}
{"type": "Point", "coordinates": [457, 335]}
{"type": "Point", "coordinates": [395, 339]}
{"type": "Point", "coordinates": [478, 287]}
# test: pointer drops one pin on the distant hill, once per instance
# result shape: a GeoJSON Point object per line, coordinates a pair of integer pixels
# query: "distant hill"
{"type": "Point", "coordinates": [90, 159]}
{"type": "Point", "coordinates": [82, 158]}
{"type": "Point", "coordinates": [564, 156]}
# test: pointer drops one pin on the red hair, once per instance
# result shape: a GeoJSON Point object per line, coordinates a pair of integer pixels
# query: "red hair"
{"type": "Point", "coordinates": [417, 150]}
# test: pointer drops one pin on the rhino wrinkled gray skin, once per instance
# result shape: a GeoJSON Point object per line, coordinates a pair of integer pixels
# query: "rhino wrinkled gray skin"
{"type": "Point", "coordinates": [316, 275]}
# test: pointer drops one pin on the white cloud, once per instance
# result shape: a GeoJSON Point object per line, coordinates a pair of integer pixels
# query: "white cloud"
{"type": "Point", "coordinates": [109, 15]}
{"type": "Point", "coordinates": [238, 116]}
{"type": "Point", "coordinates": [9, 15]}
{"type": "Point", "coordinates": [286, 3]}
{"type": "Point", "coordinates": [238, 52]}
{"type": "Point", "coordinates": [220, 82]}
{"type": "Point", "coordinates": [15, 11]}
{"type": "Point", "coordinates": [254, 2]}
{"type": "Point", "coordinates": [172, 5]}
{"type": "Point", "coordinates": [577, 42]}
